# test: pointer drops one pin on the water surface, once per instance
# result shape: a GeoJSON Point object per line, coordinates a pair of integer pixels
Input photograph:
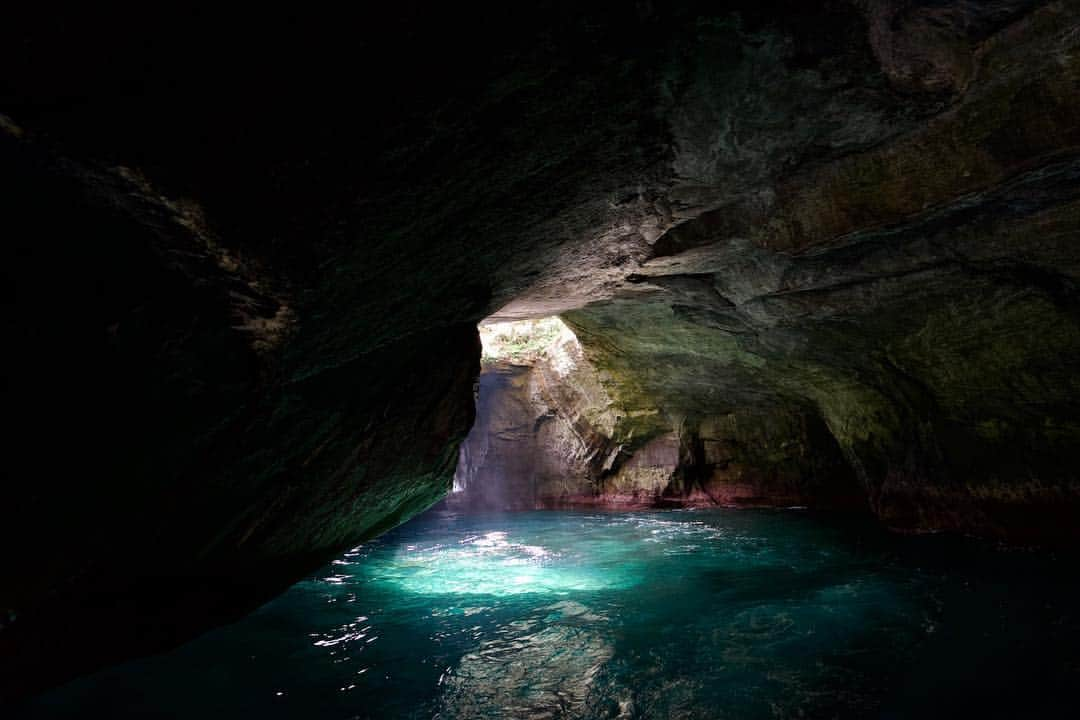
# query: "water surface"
{"type": "Point", "coordinates": [683, 614]}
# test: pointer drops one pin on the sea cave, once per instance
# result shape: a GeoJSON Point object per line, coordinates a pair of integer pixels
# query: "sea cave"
{"type": "Point", "coordinates": [554, 360]}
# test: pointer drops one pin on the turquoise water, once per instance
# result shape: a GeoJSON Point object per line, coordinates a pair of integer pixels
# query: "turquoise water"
{"type": "Point", "coordinates": [682, 614]}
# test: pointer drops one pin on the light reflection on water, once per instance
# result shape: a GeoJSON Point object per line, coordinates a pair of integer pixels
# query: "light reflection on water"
{"type": "Point", "coordinates": [646, 615]}
{"type": "Point", "coordinates": [490, 564]}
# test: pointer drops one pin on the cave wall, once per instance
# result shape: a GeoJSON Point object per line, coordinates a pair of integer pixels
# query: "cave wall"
{"type": "Point", "coordinates": [172, 463]}
{"type": "Point", "coordinates": [245, 253]}
{"type": "Point", "coordinates": [917, 294]}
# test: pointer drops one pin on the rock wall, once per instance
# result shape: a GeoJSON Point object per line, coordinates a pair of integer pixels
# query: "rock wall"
{"type": "Point", "coordinates": [176, 460]}
{"type": "Point", "coordinates": [516, 450]}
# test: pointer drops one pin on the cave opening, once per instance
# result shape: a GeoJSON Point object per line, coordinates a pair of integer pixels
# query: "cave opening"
{"type": "Point", "coordinates": [522, 342]}
{"type": "Point", "coordinates": [523, 438]}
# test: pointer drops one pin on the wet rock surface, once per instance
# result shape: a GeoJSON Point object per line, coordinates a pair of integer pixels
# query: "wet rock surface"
{"type": "Point", "coordinates": [835, 243]}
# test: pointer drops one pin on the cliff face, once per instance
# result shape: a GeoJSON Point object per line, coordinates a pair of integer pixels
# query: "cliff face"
{"type": "Point", "coordinates": [510, 450]}
{"type": "Point", "coordinates": [823, 244]}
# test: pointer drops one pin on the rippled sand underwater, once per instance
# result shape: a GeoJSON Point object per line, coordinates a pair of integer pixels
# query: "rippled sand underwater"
{"type": "Point", "coordinates": [686, 614]}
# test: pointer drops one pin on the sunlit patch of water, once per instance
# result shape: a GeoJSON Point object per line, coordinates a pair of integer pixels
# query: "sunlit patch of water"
{"type": "Point", "coordinates": [494, 564]}
{"type": "Point", "coordinates": [647, 615]}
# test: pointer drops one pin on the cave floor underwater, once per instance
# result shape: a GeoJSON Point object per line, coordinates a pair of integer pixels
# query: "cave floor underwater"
{"type": "Point", "coordinates": [678, 613]}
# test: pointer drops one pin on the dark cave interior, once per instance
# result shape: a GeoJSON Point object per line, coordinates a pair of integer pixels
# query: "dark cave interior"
{"type": "Point", "coordinates": [765, 254]}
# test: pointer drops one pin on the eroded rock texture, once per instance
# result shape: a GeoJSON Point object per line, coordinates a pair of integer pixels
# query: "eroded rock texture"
{"type": "Point", "coordinates": [915, 295]}
{"type": "Point", "coordinates": [245, 256]}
